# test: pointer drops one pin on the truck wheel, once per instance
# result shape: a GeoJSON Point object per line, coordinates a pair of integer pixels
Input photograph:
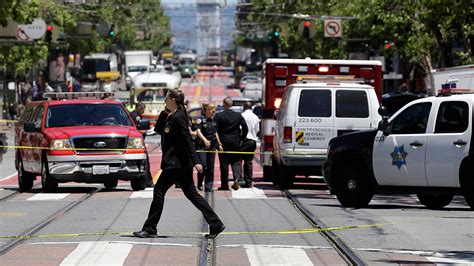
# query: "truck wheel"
{"type": "Point", "coordinates": [267, 173]}
{"type": "Point", "coordinates": [287, 177]}
{"type": "Point", "coordinates": [48, 183]}
{"type": "Point", "coordinates": [434, 202]}
{"type": "Point", "coordinates": [138, 184]}
{"type": "Point", "coordinates": [467, 185]}
{"type": "Point", "coordinates": [352, 186]}
{"type": "Point", "coordinates": [25, 179]}
{"type": "Point", "coordinates": [111, 183]}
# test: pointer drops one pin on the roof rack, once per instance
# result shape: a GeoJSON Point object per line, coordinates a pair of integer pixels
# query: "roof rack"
{"type": "Point", "coordinates": [453, 91]}
{"type": "Point", "coordinates": [328, 78]}
{"type": "Point", "coordinates": [77, 95]}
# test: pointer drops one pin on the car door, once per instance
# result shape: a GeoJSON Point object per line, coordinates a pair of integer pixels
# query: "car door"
{"type": "Point", "coordinates": [449, 144]}
{"type": "Point", "coordinates": [399, 158]}
{"type": "Point", "coordinates": [352, 111]}
{"type": "Point", "coordinates": [24, 138]}
{"type": "Point", "coordinates": [36, 139]}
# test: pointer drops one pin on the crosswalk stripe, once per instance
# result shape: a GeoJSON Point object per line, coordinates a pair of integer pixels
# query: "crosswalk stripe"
{"type": "Point", "coordinates": [147, 194]}
{"type": "Point", "coordinates": [98, 253]}
{"type": "Point", "coordinates": [48, 196]}
{"type": "Point", "coordinates": [249, 193]}
{"type": "Point", "coordinates": [259, 255]}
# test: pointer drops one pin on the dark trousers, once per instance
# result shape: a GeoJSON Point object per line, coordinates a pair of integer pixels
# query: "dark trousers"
{"type": "Point", "coordinates": [250, 146]}
{"type": "Point", "coordinates": [207, 160]}
{"type": "Point", "coordinates": [235, 163]}
{"type": "Point", "coordinates": [185, 179]}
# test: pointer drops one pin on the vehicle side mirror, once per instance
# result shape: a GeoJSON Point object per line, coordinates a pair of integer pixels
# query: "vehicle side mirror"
{"type": "Point", "coordinates": [384, 126]}
{"type": "Point", "coordinates": [31, 127]}
{"type": "Point", "coordinates": [383, 111]}
{"type": "Point", "coordinates": [143, 125]}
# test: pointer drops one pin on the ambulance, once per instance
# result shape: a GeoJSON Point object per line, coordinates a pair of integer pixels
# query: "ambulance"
{"type": "Point", "coordinates": [452, 80]}
{"type": "Point", "coordinates": [280, 73]}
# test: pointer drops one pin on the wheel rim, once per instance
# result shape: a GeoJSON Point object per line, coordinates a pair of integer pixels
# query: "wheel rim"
{"type": "Point", "coordinates": [351, 184]}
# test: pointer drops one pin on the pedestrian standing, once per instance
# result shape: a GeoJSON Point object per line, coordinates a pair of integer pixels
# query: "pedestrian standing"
{"type": "Point", "coordinates": [137, 115]}
{"type": "Point", "coordinates": [250, 144]}
{"type": "Point", "coordinates": [209, 142]}
{"type": "Point", "coordinates": [179, 157]}
{"type": "Point", "coordinates": [232, 129]}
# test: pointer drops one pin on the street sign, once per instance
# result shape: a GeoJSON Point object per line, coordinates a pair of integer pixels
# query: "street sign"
{"type": "Point", "coordinates": [32, 31]}
{"type": "Point", "coordinates": [332, 28]}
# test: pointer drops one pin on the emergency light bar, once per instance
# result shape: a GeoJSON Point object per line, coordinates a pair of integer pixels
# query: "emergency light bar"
{"type": "Point", "coordinates": [107, 75]}
{"type": "Point", "coordinates": [328, 78]}
{"type": "Point", "coordinates": [77, 95]}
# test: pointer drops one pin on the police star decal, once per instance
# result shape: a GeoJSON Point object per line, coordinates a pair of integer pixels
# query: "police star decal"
{"type": "Point", "coordinates": [398, 156]}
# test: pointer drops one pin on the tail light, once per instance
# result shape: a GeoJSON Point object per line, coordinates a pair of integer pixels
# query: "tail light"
{"type": "Point", "coordinates": [277, 102]}
{"type": "Point", "coordinates": [287, 135]}
{"type": "Point", "coordinates": [268, 143]}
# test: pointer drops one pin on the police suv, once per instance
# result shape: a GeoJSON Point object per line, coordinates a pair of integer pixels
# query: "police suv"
{"type": "Point", "coordinates": [310, 115]}
{"type": "Point", "coordinates": [423, 149]}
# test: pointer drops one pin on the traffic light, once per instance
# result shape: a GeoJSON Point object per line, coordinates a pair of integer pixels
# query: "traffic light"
{"type": "Point", "coordinates": [112, 31]}
{"type": "Point", "coordinates": [306, 31]}
{"type": "Point", "coordinates": [49, 34]}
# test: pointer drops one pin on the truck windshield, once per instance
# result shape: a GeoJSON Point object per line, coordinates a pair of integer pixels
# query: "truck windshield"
{"type": "Point", "coordinates": [152, 95]}
{"type": "Point", "coordinates": [87, 115]}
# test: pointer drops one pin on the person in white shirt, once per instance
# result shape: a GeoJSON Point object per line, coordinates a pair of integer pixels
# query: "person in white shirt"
{"type": "Point", "coordinates": [250, 144]}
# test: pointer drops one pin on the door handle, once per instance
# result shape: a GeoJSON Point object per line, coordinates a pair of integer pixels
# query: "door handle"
{"type": "Point", "coordinates": [459, 142]}
{"type": "Point", "coordinates": [416, 144]}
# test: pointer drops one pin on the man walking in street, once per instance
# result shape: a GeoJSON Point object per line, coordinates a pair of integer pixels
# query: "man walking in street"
{"type": "Point", "coordinates": [137, 115]}
{"type": "Point", "coordinates": [250, 144]}
{"type": "Point", "coordinates": [232, 129]}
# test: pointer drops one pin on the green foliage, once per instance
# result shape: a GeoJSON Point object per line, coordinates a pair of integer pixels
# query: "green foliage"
{"type": "Point", "coordinates": [128, 17]}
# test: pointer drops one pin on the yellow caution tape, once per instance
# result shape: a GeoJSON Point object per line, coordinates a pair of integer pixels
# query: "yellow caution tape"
{"type": "Point", "coordinates": [294, 231]}
{"type": "Point", "coordinates": [8, 121]}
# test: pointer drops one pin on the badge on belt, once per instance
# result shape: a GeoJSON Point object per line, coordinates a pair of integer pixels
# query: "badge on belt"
{"type": "Point", "coordinates": [167, 130]}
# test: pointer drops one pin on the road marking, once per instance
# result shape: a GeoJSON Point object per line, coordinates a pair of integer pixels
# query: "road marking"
{"type": "Point", "coordinates": [9, 214]}
{"type": "Point", "coordinates": [197, 94]}
{"type": "Point", "coordinates": [125, 242]}
{"type": "Point", "coordinates": [433, 256]}
{"type": "Point", "coordinates": [277, 256]}
{"type": "Point", "coordinates": [249, 193]}
{"type": "Point", "coordinates": [49, 196]}
{"type": "Point", "coordinates": [142, 195]}
{"type": "Point", "coordinates": [98, 253]}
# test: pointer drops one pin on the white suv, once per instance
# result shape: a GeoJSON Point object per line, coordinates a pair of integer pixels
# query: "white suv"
{"type": "Point", "coordinates": [309, 116]}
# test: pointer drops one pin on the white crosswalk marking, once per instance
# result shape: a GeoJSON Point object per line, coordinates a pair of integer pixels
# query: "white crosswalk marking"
{"type": "Point", "coordinates": [259, 255]}
{"type": "Point", "coordinates": [98, 253]}
{"type": "Point", "coordinates": [147, 194]}
{"type": "Point", "coordinates": [49, 196]}
{"type": "Point", "coordinates": [249, 193]}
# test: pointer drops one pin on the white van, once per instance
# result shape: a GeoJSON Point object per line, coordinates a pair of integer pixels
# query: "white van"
{"type": "Point", "coordinates": [309, 116]}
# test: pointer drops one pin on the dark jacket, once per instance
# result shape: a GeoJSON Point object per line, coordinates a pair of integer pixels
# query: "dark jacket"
{"type": "Point", "coordinates": [135, 117]}
{"type": "Point", "coordinates": [176, 142]}
{"type": "Point", "coordinates": [231, 127]}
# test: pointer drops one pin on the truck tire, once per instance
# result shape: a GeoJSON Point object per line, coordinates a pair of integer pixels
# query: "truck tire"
{"type": "Point", "coordinates": [434, 201]}
{"type": "Point", "coordinates": [467, 183]}
{"type": "Point", "coordinates": [111, 184]}
{"type": "Point", "coordinates": [48, 183]}
{"type": "Point", "coordinates": [351, 185]}
{"type": "Point", "coordinates": [139, 183]}
{"type": "Point", "coordinates": [267, 173]}
{"type": "Point", "coordinates": [25, 179]}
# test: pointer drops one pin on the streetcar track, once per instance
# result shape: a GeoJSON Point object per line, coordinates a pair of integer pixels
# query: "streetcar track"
{"type": "Point", "coordinates": [55, 216]}
{"type": "Point", "coordinates": [206, 255]}
{"type": "Point", "coordinates": [344, 251]}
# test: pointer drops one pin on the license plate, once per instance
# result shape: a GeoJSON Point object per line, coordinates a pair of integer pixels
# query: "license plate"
{"type": "Point", "coordinates": [100, 169]}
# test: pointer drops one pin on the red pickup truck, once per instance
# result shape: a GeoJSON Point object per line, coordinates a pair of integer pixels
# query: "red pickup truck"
{"type": "Point", "coordinates": [82, 138]}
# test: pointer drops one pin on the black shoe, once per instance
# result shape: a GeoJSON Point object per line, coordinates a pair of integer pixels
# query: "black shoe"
{"type": "Point", "coordinates": [200, 188]}
{"type": "Point", "coordinates": [223, 188]}
{"type": "Point", "coordinates": [214, 233]}
{"type": "Point", "coordinates": [150, 184]}
{"type": "Point", "coordinates": [144, 234]}
{"type": "Point", "coordinates": [236, 186]}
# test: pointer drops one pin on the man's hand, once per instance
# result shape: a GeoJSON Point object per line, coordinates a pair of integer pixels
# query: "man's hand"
{"type": "Point", "coordinates": [198, 167]}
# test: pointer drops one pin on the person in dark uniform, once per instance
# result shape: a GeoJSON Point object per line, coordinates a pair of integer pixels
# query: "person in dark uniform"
{"type": "Point", "coordinates": [137, 115]}
{"type": "Point", "coordinates": [209, 142]}
{"type": "Point", "coordinates": [178, 159]}
{"type": "Point", "coordinates": [232, 129]}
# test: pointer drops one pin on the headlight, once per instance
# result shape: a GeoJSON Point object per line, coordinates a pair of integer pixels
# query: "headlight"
{"type": "Point", "coordinates": [135, 143]}
{"type": "Point", "coordinates": [61, 144]}
{"type": "Point", "coordinates": [154, 112]}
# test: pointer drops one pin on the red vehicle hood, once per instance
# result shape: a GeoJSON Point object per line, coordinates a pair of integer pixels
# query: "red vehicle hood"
{"type": "Point", "coordinates": [67, 132]}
